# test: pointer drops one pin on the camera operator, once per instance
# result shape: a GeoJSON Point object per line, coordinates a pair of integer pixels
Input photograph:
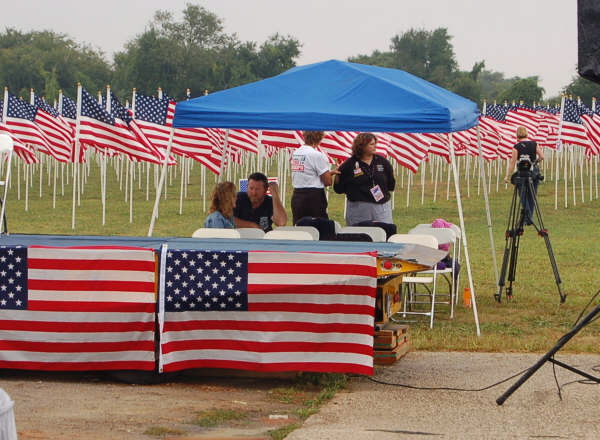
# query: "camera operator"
{"type": "Point", "coordinates": [526, 154]}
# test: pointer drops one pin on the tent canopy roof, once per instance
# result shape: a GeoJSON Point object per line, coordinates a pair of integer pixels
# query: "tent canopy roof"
{"type": "Point", "coordinates": [333, 95]}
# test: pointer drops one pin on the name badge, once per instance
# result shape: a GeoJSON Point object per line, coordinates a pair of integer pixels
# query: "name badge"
{"type": "Point", "coordinates": [379, 168]}
{"type": "Point", "coordinates": [377, 193]}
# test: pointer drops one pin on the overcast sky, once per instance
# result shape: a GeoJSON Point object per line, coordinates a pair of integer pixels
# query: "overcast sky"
{"type": "Point", "coordinates": [515, 37]}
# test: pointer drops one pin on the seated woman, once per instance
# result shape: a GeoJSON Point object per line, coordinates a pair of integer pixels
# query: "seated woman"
{"type": "Point", "coordinates": [221, 206]}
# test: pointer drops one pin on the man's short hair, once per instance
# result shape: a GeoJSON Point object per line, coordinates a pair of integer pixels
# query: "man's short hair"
{"type": "Point", "coordinates": [259, 177]}
{"type": "Point", "coordinates": [313, 137]}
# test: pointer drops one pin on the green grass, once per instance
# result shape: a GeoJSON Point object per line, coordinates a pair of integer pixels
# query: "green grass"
{"type": "Point", "coordinates": [161, 431]}
{"type": "Point", "coordinates": [531, 322]}
{"type": "Point", "coordinates": [218, 417]}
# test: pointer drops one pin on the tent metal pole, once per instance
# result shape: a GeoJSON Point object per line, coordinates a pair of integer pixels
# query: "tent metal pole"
{"type": "Point", "coordinates": [463, 231]}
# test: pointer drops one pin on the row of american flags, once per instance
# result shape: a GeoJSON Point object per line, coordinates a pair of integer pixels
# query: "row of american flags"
{"type": "Point", "coordinates": [141, 132]}
{"type": "Point", "coordinates": [107, 308]}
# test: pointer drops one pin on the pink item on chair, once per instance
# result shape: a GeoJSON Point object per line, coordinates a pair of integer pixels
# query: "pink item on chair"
{"type": "Point", "coordinates": [441, 223]}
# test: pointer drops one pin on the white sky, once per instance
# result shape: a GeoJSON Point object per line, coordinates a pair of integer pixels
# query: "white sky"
{"type": "Point", "coordinates": [515, 37]}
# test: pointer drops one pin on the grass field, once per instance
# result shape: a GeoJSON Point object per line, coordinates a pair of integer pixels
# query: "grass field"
{"type": "Point", "coordinates": [531, 322]}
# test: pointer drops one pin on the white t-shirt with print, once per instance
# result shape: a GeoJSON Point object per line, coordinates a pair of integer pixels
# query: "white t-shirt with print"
{"type": "Point", "coordinates": [307, 166]}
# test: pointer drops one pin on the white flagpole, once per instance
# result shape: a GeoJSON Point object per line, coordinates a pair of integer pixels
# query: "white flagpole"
{"type": "Point", "coordinates": [160, 183]}
{"type": "Point", "coordinates": [7, 174]}
{"type": "Point", "coordinates": [77, 148]}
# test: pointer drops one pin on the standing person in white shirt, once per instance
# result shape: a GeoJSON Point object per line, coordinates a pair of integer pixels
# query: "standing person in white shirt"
{"type": "Point", "coordinates": [310, 176]}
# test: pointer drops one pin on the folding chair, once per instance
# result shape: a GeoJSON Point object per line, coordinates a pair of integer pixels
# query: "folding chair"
{"type": "Point", "coordinates": [278, 234]}
{"type": "Point", "coordinates": [410, 295]}
{"type": "Point", "coordinates": [251, 233]}
{"type": "Point", "coordinates": [6, 150]}
{"type": "Point", "coordinates": [215, 233]}
{"type": "Point", "coordinates": [314, 232]}
{"type": "Point", "coordinates": [444, 236]}
{"type": "Point", "coordinates": [376, 233]}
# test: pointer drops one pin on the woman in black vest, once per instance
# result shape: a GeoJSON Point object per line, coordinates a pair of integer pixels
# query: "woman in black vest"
{"type": "Point", "coordinates": [527, 154]}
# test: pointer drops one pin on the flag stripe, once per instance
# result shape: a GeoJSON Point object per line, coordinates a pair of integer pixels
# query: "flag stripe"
{"type": "Point", "coordinates": [75, 347]}
{"type": "Point", "coordinates": [239, 344]}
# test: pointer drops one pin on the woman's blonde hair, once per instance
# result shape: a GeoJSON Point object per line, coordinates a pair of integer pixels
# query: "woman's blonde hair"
{"type": "Point", "coordinates": [521, 132]}
{"type": "Point", "coordinates": [223, 198]}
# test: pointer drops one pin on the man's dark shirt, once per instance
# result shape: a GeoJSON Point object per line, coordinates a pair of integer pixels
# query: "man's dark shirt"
{"type": "Point", "coordinates": [261, 215]}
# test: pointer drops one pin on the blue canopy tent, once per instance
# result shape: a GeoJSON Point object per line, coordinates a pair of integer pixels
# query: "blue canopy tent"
{"type": "Point", "coordinates": [335, 95]}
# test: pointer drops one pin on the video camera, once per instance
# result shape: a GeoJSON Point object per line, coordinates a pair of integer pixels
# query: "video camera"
{"type": "Point", "coordinates": [526, 168]}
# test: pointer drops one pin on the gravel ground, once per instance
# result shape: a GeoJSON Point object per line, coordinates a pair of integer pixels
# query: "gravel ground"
{"type": "Point", "coordinates": [367, 410]}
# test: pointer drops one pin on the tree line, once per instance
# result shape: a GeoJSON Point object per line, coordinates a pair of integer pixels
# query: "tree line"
{"type": "Point", "coordinates": [195, 53]}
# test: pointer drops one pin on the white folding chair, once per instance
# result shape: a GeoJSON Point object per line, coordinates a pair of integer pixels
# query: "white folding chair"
{"type": "Point", "coordinates": [6, 150]}
{"type": "Point", "coordinates": [251, 233]}
{"type": "Point", "coordinates": [410, 295]}
{"type": "Point", "coordinates": [278, 234]}
{"type": "Point", "coordinates": [444, 236]}
{"type": "Point", "coordinates": [314, 232]}
{"type": "Point", "coordinates": [215, 233]}
{"type": "Point", "coordinates": [376, 234]}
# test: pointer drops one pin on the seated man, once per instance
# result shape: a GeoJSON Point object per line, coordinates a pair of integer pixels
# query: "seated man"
{"type": "Point", "coordinates": [255, 209]}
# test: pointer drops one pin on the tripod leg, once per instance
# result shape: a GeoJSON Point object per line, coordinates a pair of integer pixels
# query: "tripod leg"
{"type": "Point", "coordinates": [514, 254]}
{"type": "Point", "coordinates": [509, 244]}
{"type": "Point", "coordinates": [543, 232]}
{"type": "Point", "coordinates": [561, 342]}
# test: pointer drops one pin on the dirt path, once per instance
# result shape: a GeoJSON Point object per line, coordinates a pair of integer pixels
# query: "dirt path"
{"type": "Point", "coordinates": [98, 407]}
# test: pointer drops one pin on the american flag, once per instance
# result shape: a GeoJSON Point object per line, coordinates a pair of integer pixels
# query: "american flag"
{"type": "Point", "coordinates": [280, 138]}
{"type": "Point", "coordinates": [497, 112]}
{"type": "Point", "coordinates": [246, 140]}
{"type": "Point", "coordinates": [572, 130]}
{"type": "Point", "coordinates": [268, 311]}
{"type": "Point", "coordinates": [83, 308]}
{"type": "Point", "coordinates": [58, 132]}
{"type": "Point", "coordinates": [243, 184]}
{"type": "Point", "coordinates": [154, 117]}
{"type": "Point", "coordinates": [68, 111]}
{"type": "Point", "coordinates": [201, 144]}
{"type": "Point", "coordinates": [20, 119]}
{"type": "Point", "coordinates": [518, 115]}
{"type": "Point", "coordinates": [409, 149]}
{"type": "Point", "coordinates": [591, 123]}
{"type": "Point", "coordinates": [147, 151]}
{"type": "Point", "coordinates": [24, 152]}
{"type": "Point", "coordinates": [438, 145]}
{"type": "Point", "coordinates": [495, 118]}
{"type": "Point", "coordinates": [99, 128]}
{"type": "Point", "coordinates": [338, 144]}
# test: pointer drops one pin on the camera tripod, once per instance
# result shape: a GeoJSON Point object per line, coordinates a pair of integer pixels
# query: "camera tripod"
{"type": "Point", "coordinates": [549, 357]}
{"type": "Point", "coordinates": [518, 218]}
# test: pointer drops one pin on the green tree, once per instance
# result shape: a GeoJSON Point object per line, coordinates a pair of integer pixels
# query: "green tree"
{"type": "Point", "coordinates": [47, 61]}
{"type": "Point", "coordinates": [523, 89]}
{"type": "Point", "coordinates": [426, 54]}
{"type": "Point", "coordinates": [584, 89]}
{"type": "Point", "coordinates": [196, 53]}
{"type": "Point", "coordinates": [467, 84]}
